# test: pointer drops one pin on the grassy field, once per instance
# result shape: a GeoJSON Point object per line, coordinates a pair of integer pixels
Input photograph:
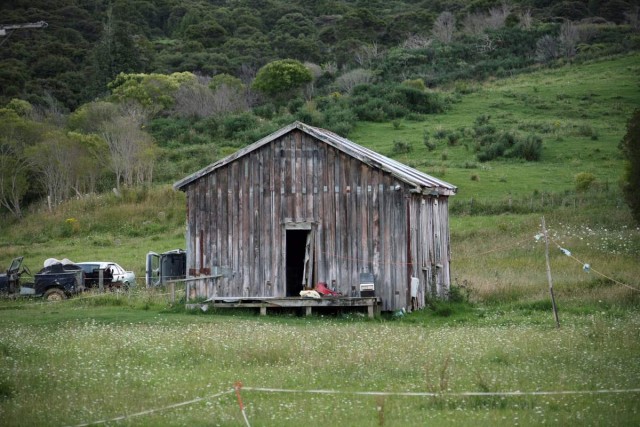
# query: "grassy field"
{"type": "Point", "coordinates": [90, 360]}
{"type": "Point", "coordinates": [96, 358]}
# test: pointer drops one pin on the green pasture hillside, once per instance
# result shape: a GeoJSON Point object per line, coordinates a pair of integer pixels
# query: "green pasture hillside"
{"type": "Point", "coordinates": [579, 111]}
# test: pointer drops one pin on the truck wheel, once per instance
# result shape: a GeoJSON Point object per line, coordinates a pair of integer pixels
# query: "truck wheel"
{"type": "Point", "coordinates": [54, 295]}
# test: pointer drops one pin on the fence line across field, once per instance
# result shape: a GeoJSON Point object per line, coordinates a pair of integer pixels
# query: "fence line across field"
{"type": "Point", "coordinates": [593, 269]}
{"type": "Point", "coordinates": [238, 387]}
{"type": "Point", "coordinates": [436, 394]}
{"type": "Point", "coordinates": [151, 411]}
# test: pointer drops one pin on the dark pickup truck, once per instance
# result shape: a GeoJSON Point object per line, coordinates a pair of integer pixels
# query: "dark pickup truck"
{"type": "Point", "coordinates": [54, 282]}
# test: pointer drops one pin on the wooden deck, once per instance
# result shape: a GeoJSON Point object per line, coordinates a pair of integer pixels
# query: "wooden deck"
{"type": "Point", "coordinates": [371, 303]}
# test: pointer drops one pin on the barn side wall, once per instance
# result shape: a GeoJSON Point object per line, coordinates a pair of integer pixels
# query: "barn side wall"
{"type": "Point", "coordinates": [429, 250]}
{"type": "Point", "coordinates": [363, 221]}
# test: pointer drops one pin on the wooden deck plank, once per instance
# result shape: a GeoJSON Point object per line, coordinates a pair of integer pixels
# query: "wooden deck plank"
{"type": "Point", "coordinates": [372, 303]}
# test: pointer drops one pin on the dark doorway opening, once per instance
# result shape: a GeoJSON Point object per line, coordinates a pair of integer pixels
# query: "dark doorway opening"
{"type": "Point", "coordinates": [296, 252]}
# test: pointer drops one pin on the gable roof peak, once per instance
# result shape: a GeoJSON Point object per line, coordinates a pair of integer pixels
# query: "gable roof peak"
{"type": "Point", "coordinates": [421, 181]}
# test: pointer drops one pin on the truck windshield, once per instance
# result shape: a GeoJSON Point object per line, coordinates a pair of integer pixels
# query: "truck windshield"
{"type": "Point", "coordinates": [15, 264]}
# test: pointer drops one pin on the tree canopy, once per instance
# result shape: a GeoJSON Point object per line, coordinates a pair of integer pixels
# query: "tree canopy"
{"type": "Point", "coordinates": [88, 44]}
{"type": "Point", "coordinates": [282, 76]}
{"type": "Point", "coordinates": [152, 91]}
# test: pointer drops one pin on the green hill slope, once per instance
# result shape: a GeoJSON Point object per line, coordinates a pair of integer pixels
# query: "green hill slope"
{"type": "Point", "coordinates": [579, 111]}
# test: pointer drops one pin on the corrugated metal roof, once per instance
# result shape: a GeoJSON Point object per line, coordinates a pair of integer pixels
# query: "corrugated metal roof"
{"type": "Point", "coordinates": [423, 182]}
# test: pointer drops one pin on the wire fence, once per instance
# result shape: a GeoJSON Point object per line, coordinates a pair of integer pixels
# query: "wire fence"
{"type": "Point", "coordinates": [238, 388]}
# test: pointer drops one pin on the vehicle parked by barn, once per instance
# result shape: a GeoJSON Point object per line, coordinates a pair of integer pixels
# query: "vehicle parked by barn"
{"type": "Point", "coordinates": [10, 282]}
{"type": "Point", "coordinates": [58, 280]}
{"type": "Point", "coordinates": [113, 275]}
{"type": "Point", "coordinates": [165, 267]}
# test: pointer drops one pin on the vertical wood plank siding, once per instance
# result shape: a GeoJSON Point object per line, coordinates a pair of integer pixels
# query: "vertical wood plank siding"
{"type": "Point", "coordinates": [364, 219]}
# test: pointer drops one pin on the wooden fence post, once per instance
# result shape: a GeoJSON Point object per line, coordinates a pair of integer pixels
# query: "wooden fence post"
{"type": "Point", "coordinates": [546, 254]}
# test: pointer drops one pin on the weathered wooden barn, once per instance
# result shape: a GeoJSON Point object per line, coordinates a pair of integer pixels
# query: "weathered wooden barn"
{"type": "Point", "coordinates": [304, 206]}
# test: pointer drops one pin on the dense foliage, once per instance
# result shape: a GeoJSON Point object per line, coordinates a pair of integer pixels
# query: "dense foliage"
{"type": "Point", "coordinates": [280, 78]}
{"type": "Point", "coordinates": [87, 44]}
{"type": "Point", "coordinates": [145, 91]}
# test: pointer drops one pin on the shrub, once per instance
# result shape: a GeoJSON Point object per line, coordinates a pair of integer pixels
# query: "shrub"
{"type": "Point", "coordinates": [430, 145]}
{"type": "Point", "coordinates": [295, 105]}
{"type": "Point", "coordinates": [481, 130]}
{"type": "Point", "coordinates": [459, 293]}
{"type": "Point", "coordinates": [426, 139]}
{"type": "Point", "coordinates": [393, 111]}
{"type": "Point", "coordinates": [401, 147]}
{"type": "Point", "coordinates": [21, 107]}
{"type": "Point", "coordinates": [266, 111]}
{"type": "Point", "coordinates": [281, 77]}
{"type": "Point", "coordinates": [208, 126]}
{"type": "Point", "coordinates": [529, 149]}
{"type": "Point", "coordinates": [547, 49]}
{"type": "Point", "coordinates": [584, 181]}
{"type": "Point", "coordinates": [309, 116]}
{"type": "Point", "coordinates": [483, 119]}
{"type": "Point", "coordinates": [238, 123]}
{"type": "Point", "coordinates": [506, 144]}
{"type": "Point", "coordinates": [482, 127]}
{"type": "Point", "coordinates": [490, 152]}
{"type": "Point", "coordinates": [165, 130]}
{"type": "Point", "coordinates": [440, 133]}
{"type": "Point", "coordinates": [493, 146]}
{"type": "Point", "coordinates": [383, 102]}
{"type": "Point", "coordinates": [415, 84]}
{"type": "Point", "coordinates": [453, 138]}
{"type": "Point", "coordinates": [588, 131]}
{"type": "Point", "coordinates": [372, 110]}
{"type": "Point", "coordinates": [341, 128]}
{"type": "Point", "coordinates": [419, 101]}
{"type": "Point", "coordinates": [338, 113]}
{"type": "Point", "coordinates": [349, 80]}
{"type": "Point", "coordinates": [464, 88]}
{"type": "Point", "coordinates": [7, 389]}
